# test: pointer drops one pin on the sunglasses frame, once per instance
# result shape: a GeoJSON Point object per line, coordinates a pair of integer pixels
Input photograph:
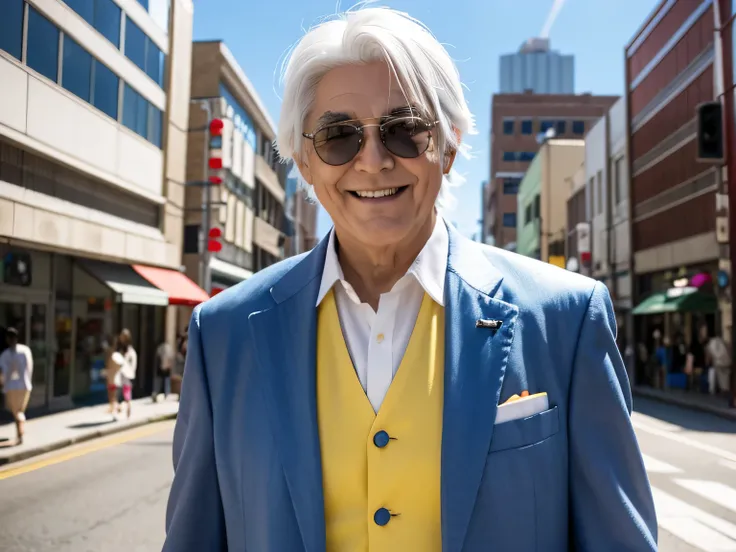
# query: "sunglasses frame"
{"type": "Point", "coordinates": [381, 127]}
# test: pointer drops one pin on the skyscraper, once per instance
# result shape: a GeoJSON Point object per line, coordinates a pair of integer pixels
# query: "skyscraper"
{"type": "Point", "coordinates": [538, 69]}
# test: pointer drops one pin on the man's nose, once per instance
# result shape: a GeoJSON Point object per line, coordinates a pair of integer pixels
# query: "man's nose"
{"type": "Point", "coordinates": [373, 156]}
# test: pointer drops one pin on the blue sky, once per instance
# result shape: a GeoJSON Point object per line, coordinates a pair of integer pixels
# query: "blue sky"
{"type": "Point", "coordinates": [476, 32]}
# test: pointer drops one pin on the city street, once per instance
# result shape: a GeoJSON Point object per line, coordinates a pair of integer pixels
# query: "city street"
{"type": "Point", "coordinates": [110, 494]}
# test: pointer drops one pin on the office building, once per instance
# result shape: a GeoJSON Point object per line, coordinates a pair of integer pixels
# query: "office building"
{"type": "Point", "coordinates": [518, 123]}
{"type": "Point", "coordinates": [93, 122]}
{"type": "Point", "coordinates": [542, 200]}
{"type": "Point", "coordinates": [538, 69]}
{"type": "Point", "coordinates": [247, 206]}
{"type": "Point", "coordinates": [674, 198]}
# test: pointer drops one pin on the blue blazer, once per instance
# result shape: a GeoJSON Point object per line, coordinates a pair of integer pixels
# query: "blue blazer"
{"type": "Point", "coordinates": [248, 473]}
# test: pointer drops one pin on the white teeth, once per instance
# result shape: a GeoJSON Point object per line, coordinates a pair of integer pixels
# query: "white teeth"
{"type": "Point", "coordinates": [378, 193]}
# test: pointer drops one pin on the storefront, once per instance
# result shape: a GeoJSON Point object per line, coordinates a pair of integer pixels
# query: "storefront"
{"type": "Point", "coordinates": [69, 309]}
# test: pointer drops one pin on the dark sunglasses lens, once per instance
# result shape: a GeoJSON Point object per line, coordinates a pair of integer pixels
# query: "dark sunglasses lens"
{"type": "Point", "coordinates": [407, 138]}
{"type": "Point", "coordinates": [337, 144]}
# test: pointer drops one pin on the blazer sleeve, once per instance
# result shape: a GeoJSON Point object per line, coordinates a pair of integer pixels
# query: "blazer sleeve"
{"type": "Point", "coordinates": [611, 501]}
{"type": "Point", "coordinates": [194, 517]}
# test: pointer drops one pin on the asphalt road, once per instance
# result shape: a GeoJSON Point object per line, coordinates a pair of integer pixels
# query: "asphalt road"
{"type": "Point", "coordinates": [111, 494]}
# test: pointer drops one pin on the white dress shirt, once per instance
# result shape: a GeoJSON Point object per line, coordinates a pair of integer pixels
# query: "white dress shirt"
{"type": "Point", "coordinates": [377, 340]}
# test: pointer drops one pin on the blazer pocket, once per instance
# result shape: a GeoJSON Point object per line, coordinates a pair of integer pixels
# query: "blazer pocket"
{"type": "Point", "coordinates": [525, 431]}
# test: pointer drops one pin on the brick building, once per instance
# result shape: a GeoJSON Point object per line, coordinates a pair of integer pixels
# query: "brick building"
{"type": "Point", "coordinates": [517, 120]}
{"type": "Point", "coordinates": [669, 71]}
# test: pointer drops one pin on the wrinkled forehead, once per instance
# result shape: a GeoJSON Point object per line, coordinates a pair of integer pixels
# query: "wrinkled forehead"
{"type": "Point", "coordinates": [360, 91]}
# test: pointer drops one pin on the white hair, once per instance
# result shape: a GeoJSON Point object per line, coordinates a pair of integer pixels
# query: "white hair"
{"type": "Point", "coordinates": [425, 71]}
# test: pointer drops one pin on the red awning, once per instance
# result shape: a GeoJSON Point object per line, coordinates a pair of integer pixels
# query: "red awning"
{"type": "Point", "coordinates": [181, 290]}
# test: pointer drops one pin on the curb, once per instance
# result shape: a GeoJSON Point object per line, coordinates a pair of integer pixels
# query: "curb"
{"type": "Point", "coordinates": [722, 412]}
{"type": "Point", "coordinates": [64, 443]}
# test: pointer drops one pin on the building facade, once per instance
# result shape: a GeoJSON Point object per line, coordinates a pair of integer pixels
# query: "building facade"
{"type": "Point", "coordinates": [537, 69]}
{"type": "Point", "coordinates": [577, 246]}
{"type": "Point", "coordinates": [542, 200]}
{"type": "Point", "coordinates": [93, 123]}
{"type": "Point", "coordinates": [673, 197]}
{"type": "Point", "coordinates": [257, 221]}
{"type": "Point", "coordinates": [518, 121]}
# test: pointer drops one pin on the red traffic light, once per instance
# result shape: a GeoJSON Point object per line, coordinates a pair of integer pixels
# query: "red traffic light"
{"type": "Point", "coordinates": [215, 180]}
{"type": "Point", "coordinates": [215, 163]}
{"type": "Point", "coordinates": [216, 127]}
{"type": "Point", "coordinates": [213, 246]}
{"type": "Point", "coordinates": [215, 233]}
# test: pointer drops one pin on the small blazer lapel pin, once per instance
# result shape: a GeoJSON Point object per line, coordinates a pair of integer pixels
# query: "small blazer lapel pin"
{"type": "Point", "coordinates": [489, 324]}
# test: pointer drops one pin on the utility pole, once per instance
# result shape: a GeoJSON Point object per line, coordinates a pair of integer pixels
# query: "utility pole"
{"type": "Point", "coordinates": [205, 277]}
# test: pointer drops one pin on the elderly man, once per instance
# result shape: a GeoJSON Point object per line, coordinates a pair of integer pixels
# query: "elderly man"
{"type": "Point", "coordinates": [401, 388]}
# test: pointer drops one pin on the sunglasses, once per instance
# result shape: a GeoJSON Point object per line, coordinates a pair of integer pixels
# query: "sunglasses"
{"type": "Point", "coordinates": [338, 143]}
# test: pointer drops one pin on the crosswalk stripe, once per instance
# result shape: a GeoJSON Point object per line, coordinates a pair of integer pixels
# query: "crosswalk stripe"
{"type": "Point", "coordinates": [721, 494]}
{"type": "Point", "coordinates": [698, 535]}
{"type": "Point", "coordinates": [653, 465]}
{"type": "Point", "coordinates": [727, 464]}
{"type": "Point", "coordinates": [671, 511]}
{"type": "Point", "coordinates": [715, 451]}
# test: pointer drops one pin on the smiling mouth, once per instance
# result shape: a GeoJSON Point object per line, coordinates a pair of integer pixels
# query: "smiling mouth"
{"type": "Point", "coordinates": [378, 194]}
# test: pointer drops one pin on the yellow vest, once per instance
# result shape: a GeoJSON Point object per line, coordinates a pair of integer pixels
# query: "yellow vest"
{"type": "Point", "coordinates": [381, 472]}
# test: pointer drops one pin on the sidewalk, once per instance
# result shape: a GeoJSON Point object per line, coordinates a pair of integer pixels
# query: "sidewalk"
{"type": "Point", "coordinates": [57, 431]}
{"type": "Point", "coordinates": [696, 401]}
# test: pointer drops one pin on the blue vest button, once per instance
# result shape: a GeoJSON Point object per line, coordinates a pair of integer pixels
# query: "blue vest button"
{"type": "Point", "coordinates": [381, 439]}
{"type": "Point", "coordinates": [382, 516]}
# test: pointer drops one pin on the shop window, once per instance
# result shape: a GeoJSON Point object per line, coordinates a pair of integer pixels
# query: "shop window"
{"type": "Point", "coordinates": [11, 28]}
{"type": "Point", "coordinates": [43, 45]}
{"type": "Point", "coordinates": [76, 75]}
{"type": "Point", "coordinates": [106, 90]}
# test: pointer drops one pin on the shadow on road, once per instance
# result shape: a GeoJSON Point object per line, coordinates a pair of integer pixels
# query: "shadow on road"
{"type": "Point", "coordinates": [86, 425]}
{"type": "Point", "coordinates": [686, 418]}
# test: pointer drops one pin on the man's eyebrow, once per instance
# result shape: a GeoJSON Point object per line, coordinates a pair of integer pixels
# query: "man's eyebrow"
{"type": "Point", "coordinates": [330, 117]}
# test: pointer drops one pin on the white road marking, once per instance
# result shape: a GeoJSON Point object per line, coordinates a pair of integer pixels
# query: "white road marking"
{"type": "Point", "coordinates": [653, 465]}
{"type": "Point", "coordinates": [727, 464]}
{"type": "Point", "coordinates": [721, 494]}
{"type": "Point", "coordinates": [656, 422]}
{"type": "Point", "coordinates": [693, 525]}
{"type": "Point", "coordinates": [723, 454]}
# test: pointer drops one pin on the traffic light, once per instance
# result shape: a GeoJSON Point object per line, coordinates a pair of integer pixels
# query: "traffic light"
{"type": "Point", "coordinates": [213, 240]}
{"type": "Point", "coordinates": [710, 132]}
{"type": "Point", "coordinates": [215, 162]}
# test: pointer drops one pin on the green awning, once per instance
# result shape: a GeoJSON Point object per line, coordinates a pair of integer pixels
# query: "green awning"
{"type": "Point", "coordinates": [687, 299]}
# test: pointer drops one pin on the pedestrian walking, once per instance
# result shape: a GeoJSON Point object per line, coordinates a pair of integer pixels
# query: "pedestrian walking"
{"type": "Point", "coordinates": [165, 360]}
{"type": "Point", "coordinates": [113, 363]}
{"type": "Point", "coordinates": [16, 370]}
{"type": "Point", "coordinates": [128, 368]}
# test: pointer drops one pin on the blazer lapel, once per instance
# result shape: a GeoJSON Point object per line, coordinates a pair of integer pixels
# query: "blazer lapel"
{"type": "Point", "coordinates": [285, 341]}
{"type": "Point", "coordinates": [475, 363]}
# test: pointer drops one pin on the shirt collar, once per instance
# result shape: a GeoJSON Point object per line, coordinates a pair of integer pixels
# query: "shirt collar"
{"type": "Point", "coordinates": [429, 268]}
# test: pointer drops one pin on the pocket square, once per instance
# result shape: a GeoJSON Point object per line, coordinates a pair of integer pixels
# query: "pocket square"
{"type": "Point", "coordinates": [521, 406]}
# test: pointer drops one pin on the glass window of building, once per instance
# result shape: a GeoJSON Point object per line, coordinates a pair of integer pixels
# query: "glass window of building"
{"type": "Point", "coordinates": [241, 119]}
{"type": "Point", "coordinates": [155, 63]}
{"type": "Point", "coordinates": [11, 28]}
{"type": "Point", "coordinates": [537, 207]}
{"type": "Point", "coordinates": [528, 214]}
{"type": "Point", "coordinates": [43, 45]}
{"type": "Point", "coordinates": [509, 156]}
{"type": "Point", "coordinates": [106, 90]}
{"type": "Point", "coordinates": [85, 9]}
{"type": "Point", "coordinates": [76, 75]}
{"type": "Point", "coordinates": [544, 126]}
{"type": "Point", "coordinates": [511, 186]}
{"type": "Point", "coordinates": [135, 111]}
{"type": "Point", "coordinates": [509, 220]}
{"type": "Point", "coordinates": [526, 126]}
{"type": "Point", "coordinates": [135, 44]}
{"type": "Point", "coordinates": [508, 127]}
{"type": "Point", "coordinates": [578, 127]}
{"type": "Point", "coordinates": [155, 120]}
{"type": "Point", "coordinates": [561, 127]}
{"type": "Point", "coordinates": [107, 20]}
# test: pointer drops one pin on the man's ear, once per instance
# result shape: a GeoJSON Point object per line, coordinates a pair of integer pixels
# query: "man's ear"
{"type": "Point", "coordinates": [450, 154]}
